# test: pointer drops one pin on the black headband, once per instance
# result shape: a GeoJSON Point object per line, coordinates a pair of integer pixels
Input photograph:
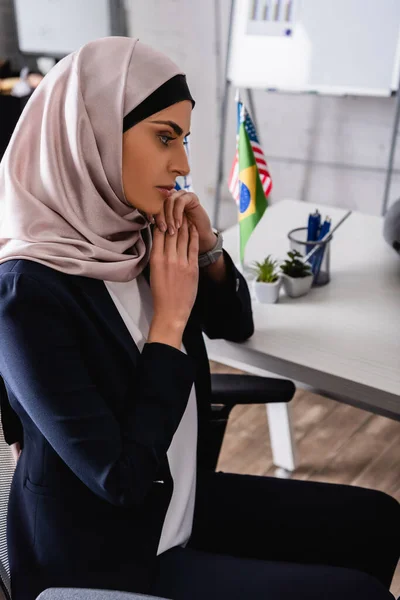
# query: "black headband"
{"type": "Point", "coordinates": [172, 91]}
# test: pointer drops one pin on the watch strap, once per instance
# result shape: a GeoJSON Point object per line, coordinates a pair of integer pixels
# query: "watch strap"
{"type": "Point", "coordinates": [210, 257]}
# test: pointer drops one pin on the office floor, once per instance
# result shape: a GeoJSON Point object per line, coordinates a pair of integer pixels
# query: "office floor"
{"type": "Point", "coordinates": [335, 443]}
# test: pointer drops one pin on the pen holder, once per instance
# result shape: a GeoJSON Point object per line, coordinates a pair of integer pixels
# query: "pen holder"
{"type": "Point", "coordinates": [320, 261]}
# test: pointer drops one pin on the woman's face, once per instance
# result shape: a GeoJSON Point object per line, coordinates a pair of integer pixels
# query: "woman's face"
{"type": "Point", "coordinates": [154, 155]}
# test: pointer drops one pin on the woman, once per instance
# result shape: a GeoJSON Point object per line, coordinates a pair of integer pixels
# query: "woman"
{"type": "Point", "coordinates": [109, 375]}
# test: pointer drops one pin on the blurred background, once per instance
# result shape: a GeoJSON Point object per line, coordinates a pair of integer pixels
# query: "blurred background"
{"type": "Point", "coordinates": [321, 148]}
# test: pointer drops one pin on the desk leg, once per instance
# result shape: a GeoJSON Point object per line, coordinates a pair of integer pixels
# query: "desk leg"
{"type": "Point", "coordinates": [282, 438]}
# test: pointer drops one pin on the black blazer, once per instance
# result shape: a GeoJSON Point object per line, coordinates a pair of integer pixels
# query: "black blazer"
{"type": "Point", "coordinates": [92, 486]}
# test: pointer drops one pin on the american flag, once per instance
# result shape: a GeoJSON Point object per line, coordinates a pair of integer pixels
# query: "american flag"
{"type": "Point", "coordinates": [265, 177]}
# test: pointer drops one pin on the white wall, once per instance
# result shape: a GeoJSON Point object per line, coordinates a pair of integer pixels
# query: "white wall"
{"type": "Point", "coordinates": [346, 139]}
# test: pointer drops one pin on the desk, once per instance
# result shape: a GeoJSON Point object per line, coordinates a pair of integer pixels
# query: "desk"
{"type": "Point", "coordinates": [352, 352]}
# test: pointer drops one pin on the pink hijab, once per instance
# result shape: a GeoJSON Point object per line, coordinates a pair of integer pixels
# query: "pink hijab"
{"type": "Point", "coordinates": [62, 201]}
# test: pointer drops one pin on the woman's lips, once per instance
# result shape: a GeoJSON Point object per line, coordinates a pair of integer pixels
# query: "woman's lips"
{"type": "Point", "coordinates": [164, 191]}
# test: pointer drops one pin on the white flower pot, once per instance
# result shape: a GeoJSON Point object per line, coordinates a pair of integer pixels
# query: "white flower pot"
{"type": "Point", "coordinates": [297, 286]}
{"type": "Point", "coordinates": [267, 293]}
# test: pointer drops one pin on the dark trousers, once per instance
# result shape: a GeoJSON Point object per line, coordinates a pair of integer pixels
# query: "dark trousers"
{"type": "Point", "coordinates": [261, 537]}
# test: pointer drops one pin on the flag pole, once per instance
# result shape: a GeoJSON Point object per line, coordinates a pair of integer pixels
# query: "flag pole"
{"type": "Point", "coordinates": [237, 101]}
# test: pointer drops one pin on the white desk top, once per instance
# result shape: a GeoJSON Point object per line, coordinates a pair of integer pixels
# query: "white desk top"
{"type": "Point", "coordinates": [350, 328]}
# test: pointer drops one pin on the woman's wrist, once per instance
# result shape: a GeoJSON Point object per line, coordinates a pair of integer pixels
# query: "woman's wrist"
{"type": "Point", "coordinates": [207, 243]}
{"type": "Point", "coordinates": [166, 331]}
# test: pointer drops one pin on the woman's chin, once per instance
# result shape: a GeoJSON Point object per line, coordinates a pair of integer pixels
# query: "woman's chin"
{"type": "Point", "coordinates": [156, 208]}
{"type": "Point", "coordinates": [153, 208]}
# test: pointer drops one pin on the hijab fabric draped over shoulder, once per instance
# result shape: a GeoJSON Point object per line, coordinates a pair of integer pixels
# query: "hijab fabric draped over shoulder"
{"type": "Point", "coordinates": [62, 201]}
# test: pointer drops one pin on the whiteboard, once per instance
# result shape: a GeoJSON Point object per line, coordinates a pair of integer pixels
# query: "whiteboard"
{"type": "Point", "coordinates": [340, 47]}
{"type": "Point", "coordinates": [58, 27]}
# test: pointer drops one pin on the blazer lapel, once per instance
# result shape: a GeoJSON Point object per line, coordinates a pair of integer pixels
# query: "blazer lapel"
{"type": "Point", "coordinates": [100, 301]}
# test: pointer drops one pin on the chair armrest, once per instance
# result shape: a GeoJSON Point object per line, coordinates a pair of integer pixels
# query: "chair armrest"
{"type": "Point", "coordinates": [90, 594]}
{"type": "Point", "coordinates": [230, 389]}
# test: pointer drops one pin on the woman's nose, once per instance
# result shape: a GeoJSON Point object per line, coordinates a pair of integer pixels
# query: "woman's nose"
{"type": "Point", "coordinates": [180, 165]}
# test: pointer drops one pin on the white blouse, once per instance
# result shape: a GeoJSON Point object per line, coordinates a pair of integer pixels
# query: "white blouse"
{"type": "Point", "coordinates": [134, 302]}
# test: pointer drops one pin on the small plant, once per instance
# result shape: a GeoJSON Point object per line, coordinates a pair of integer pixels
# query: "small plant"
{"type": "Point", "coordinates": [267, 271]}
{"type": "Point", "coordinates": [294, 267]}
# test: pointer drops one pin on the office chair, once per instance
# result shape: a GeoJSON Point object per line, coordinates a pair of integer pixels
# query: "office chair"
{"type": "Point", "coordinates": [6, 475]}
{"type": "Point", "coordinates": [87, 594]}
{"type": "Point", "coordinates": [228, 390]}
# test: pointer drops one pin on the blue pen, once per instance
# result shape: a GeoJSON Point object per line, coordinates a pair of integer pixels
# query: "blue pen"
{"type": "Point", "coordinates": [314, 222]}
{"type": "Point", "coordinates": [325, 228]}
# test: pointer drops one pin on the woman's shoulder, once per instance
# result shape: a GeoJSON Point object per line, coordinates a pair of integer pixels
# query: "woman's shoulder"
{"type": "Point", "coordinates": [27, 277]}
{"type": "Point", "coordinates": [30, 267]}
{"type": "Point", "coordinates": [40, 272]}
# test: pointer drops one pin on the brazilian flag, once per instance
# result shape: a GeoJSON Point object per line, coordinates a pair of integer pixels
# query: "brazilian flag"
{"type": "Point", "coordinates": [252, 200]}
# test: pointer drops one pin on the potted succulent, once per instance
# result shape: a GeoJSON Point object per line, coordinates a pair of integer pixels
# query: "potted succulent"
{"type": "Point", "coordinates": [268, 280]}
{"type": "Point", "coordinates": [297, 275]}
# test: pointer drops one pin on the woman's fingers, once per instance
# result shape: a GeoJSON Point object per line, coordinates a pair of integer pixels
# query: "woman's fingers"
{"type": "Point", "coordinates": [158, 243]}
{"type": "Point", "coordinates": [178, 209]}
{"type": "Point", "coordinates": [184, 244]}
{"type": "Point", "coordinates": [183, 240]}
{"type": "Point", "coordinates": [170, 243]}
{"type": "Point", "coordinates": [169, 215]}
{"type": "Point", "coordinates": [150, 218]}
{"type": "Point", "coordinates": [173, 207]}
{"type": "Point", "coordinates": [161, 221]}
{"type": "Point", "coordinates": [193, 249]}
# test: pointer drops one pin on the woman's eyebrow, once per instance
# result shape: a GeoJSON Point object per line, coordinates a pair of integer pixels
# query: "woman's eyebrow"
{"type": "Point", "coordinates": [178, 130]}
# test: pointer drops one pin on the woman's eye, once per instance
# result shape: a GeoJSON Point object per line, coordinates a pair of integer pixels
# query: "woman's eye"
{"type": "Point", "coordinates": [165, 139]}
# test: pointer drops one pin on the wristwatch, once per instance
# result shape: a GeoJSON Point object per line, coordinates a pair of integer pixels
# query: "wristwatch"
{"type": "Point", "coordinates": [210, 257]}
